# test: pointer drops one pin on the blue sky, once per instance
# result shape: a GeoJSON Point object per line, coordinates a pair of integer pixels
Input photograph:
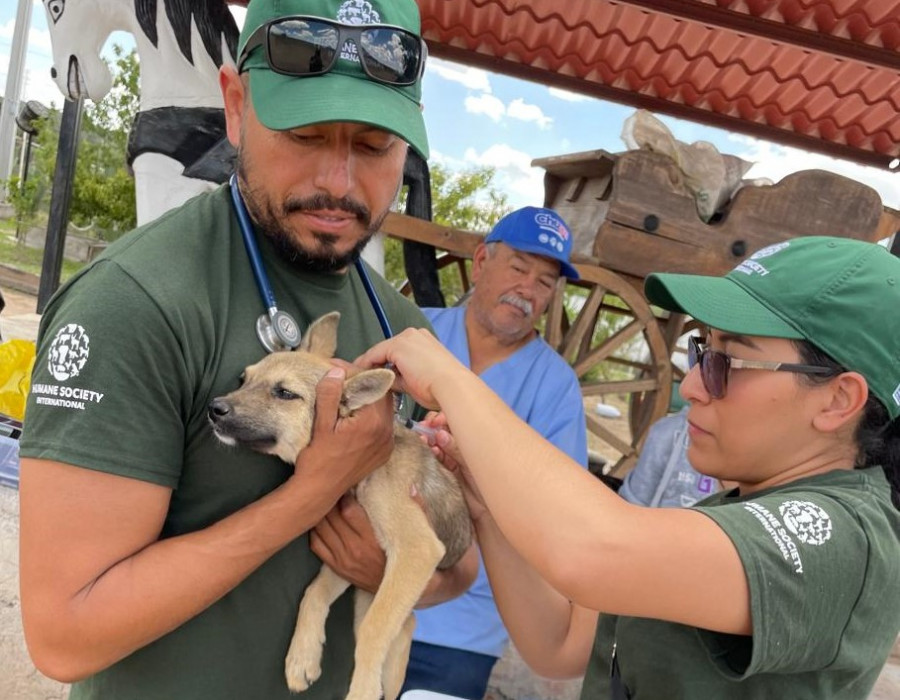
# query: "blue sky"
{"type": "Point", "coordinates": [478, 118]}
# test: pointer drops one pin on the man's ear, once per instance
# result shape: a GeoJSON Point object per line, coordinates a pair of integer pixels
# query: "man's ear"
{"type": "Point", "coordinates": [478, 258]}
{"type": "Point", "coordinates": [232, 87]}
{"type": "Point", "coordinates": [848, 393]}
{"type": "Point", "coordinates": [366, 387]}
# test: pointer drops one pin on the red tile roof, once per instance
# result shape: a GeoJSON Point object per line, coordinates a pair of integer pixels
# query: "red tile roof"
{"type": "Point", "coordinates": [823, 75]}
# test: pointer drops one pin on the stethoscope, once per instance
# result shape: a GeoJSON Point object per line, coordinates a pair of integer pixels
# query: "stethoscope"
{"type": "Point", "coordinates": [277, 330]}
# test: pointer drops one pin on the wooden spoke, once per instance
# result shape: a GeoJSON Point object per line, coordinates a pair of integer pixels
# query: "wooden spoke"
{"type": "Point", "coordinates": [617, 348]}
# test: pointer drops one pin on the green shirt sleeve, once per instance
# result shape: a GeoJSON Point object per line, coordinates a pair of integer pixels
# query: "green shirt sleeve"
{"type": "Point", "coordinates": [805, 557]}
{"type": "Point", "coordinates": [108, 388]}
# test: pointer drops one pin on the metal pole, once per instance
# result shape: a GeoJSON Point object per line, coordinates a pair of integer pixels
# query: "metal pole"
{"type": "Point", "coordinates": [25, 161]}
{"type": "Point", "coordinates": [24, 157]}
{"type": "Point", "coordinates": [60, 199]}
{"type": "Point", "coordinates": [10, 107]}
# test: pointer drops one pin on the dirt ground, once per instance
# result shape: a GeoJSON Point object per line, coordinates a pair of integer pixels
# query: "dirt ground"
{"type": "Point", "coordinates": [19, 680]}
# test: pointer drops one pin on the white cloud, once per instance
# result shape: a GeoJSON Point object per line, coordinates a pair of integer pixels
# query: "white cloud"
{"type": "Point", "coordinates": [519, 109]}
{"type": "Point", "coordinates": [487, 105]}
{"type": "Point", "coordinates": [36, 83]}
{"type": "Point", "coordinates": [567, 96]}
{"type": "Point", "coordinates": [471, 78]}
{"type": "Point", "coordinates": [523, 184]}
{"type": "Point", "coordinates": [774, 162]}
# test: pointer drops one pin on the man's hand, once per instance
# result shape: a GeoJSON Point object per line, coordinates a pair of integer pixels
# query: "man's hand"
{"type": "Point", "coordinates": [345, 541]}
{"type": "Point", "coordinates": [346, 450]}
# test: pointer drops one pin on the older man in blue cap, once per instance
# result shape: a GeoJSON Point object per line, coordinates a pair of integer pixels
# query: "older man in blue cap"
{"type": "Point", "coordinates": [515, 271]}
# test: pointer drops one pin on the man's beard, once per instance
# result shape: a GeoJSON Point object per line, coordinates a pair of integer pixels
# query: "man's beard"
{"type": "Point", "coordinates": [324, 258]}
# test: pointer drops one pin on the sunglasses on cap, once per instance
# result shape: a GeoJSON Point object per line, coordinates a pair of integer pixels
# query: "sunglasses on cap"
{"type": "Point", "coordinates": [715, 366]}
{"type": "Point", "coordinates": [303, 46]}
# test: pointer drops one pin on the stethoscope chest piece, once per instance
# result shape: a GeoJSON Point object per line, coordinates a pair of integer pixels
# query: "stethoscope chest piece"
{"type": "Point", "coordinates": [278, 331]}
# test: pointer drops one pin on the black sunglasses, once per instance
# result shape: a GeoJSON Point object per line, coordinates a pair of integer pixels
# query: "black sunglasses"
{"type": "Point", "coordinates": [308, 46]}
{"type": "Point", "coordinates": [715, 366]}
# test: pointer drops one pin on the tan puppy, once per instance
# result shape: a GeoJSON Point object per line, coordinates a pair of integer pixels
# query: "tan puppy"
{"type": "Point", "coordinates": [272, 412]}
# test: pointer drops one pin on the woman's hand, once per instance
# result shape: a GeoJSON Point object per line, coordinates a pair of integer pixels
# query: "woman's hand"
{"type": "Point", "coordinates": [420, 361]}
{"type": "Point", "coordinates": [444, 448]}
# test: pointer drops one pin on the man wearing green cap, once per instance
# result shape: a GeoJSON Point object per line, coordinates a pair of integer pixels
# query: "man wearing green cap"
{"type": "Point", "coordinates": [155, 563]}
{"type": "Point", "coordinates": [781, 587]}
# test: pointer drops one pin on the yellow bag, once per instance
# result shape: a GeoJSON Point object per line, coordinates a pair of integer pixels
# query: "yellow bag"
{"type": "Point", "coordinates": [16, 361]}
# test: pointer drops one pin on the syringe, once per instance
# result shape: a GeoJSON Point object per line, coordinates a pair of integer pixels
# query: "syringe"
{"type": "Point", "coordinates": [416, 427]}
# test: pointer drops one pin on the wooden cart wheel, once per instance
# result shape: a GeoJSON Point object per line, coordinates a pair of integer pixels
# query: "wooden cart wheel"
{"type": "Point", "coordinates": [617, 348]}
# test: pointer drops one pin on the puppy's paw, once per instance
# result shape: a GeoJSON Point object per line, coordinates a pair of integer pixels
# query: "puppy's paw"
{"type": "Point", "coordinates": [303, 664]}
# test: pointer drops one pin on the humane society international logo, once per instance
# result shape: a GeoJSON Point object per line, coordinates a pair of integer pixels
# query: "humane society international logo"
{"type": "Point", "coordinates": [801, 522]}
{"type": "Point", "coordinates": [69, 353]}
{"type": "Point", "coordinates": [355, 12]}
{"type": "Point", "coordinates": [809, 523]}
{"type": "Point", "coordinates": [358, 12]}
{"type": "Point", "coordinates": [752, 265]}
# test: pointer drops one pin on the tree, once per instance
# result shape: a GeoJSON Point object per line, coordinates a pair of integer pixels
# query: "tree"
{"type": "Point", "coordinates": [103, 192]}
{"type": "Point", "coordinates": [103, 189]}
{"type": "Point", "coordinates": [465, 199]}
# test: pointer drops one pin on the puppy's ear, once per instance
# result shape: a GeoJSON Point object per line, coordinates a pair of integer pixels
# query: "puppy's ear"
{"type": "Point", "coordinates": [366, 387]}
{"type": "Point", "coordinates": [321, 336]}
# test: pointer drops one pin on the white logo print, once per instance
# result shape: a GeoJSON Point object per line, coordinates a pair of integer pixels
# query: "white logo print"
{"type": "Point", "coordinates": [358, 12]}
{"type": "Point", "coordinates": [68, 352]}
{"type": "Point", "coordinates": [751, 266]}
{"type": "Point", "coordinates": [769, 250]}
{"type": "Point", "coordinates": [809, 523]}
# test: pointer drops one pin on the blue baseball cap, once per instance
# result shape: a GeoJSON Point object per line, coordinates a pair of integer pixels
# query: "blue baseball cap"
{"type": "Point", "coordinates": [539, 231]}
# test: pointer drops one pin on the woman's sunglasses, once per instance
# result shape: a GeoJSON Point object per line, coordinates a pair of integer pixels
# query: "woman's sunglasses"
{"type": "Point", "coordinates": [308, 46]}
{"type": "Point", "coordinates": [715, 366]}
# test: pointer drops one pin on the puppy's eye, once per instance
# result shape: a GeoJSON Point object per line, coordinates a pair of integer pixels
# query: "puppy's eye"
{"type": "Point", "coordinates": [279, 392]}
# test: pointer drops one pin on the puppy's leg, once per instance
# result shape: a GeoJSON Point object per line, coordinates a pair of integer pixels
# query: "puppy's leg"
{"type": "Point", "coordinates": [397, 659]}
{"type": "Point", "coordinates": [303, 664]}
{"type": "Point", "coordinates": [413, 552]}
{"type": "Point", "coordinates": [361, 602]}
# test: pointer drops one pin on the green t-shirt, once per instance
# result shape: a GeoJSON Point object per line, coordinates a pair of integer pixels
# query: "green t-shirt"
{"type": "Point", "coordinates": [131, 352]}
{"type": "Point", "coordinates": [822, 558]}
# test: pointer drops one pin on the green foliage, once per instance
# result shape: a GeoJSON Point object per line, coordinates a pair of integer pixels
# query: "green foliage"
{"type": "Point", "coordinates": [103, 192]}
{"type": "Point", "coordinates": [103, 189]}
{"type": "Point", "coordinates": [23, 197]}
{"type": "Point", "coordinates": [464, 200]}
{"type": "Point", "coordinates": [28, 259]}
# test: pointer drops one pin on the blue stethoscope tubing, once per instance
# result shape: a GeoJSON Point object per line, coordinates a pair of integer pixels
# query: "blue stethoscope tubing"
{"type": "Point", "coordinates": [277, 330]}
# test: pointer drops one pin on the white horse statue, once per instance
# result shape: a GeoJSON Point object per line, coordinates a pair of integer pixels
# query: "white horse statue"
{"type": "Point", "coordinates": [180, 45]}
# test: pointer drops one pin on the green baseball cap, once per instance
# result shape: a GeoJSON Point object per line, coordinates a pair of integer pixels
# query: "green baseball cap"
{"type": "Point", "coordinates": [345, 93]}
{"type": "Point", "coordinates": [840, 294]}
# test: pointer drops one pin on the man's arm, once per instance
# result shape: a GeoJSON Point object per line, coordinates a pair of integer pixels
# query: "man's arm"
{"type": "Point", "coordinates": [346, 542]}
{"type": "Point", "coordinates": [97, 583]}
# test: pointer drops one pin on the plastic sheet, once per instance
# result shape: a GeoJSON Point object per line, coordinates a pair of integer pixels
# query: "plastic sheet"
{"type": "Point", "coordinates": [16, 361]}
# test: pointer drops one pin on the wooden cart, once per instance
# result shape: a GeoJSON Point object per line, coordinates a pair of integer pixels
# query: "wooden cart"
{"type": "Point", "coordinates": [631, 215]}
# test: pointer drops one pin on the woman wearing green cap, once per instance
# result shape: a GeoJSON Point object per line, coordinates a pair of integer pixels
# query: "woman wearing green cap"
{"type": "Point", "coordinates": [784, 586]}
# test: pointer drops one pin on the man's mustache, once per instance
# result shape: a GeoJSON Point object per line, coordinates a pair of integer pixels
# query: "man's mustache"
{"type": "Point", "coordinates": [318, 202]}
{"type": "Point", "coordinates": [522, 304]}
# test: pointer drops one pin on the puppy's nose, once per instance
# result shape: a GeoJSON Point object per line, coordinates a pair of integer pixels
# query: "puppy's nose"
{"type": "Point", "coordinates": [218, 408]}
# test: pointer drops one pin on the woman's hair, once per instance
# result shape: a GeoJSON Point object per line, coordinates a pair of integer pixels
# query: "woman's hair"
{"type": "Point", "coordinates": [877, 435]}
